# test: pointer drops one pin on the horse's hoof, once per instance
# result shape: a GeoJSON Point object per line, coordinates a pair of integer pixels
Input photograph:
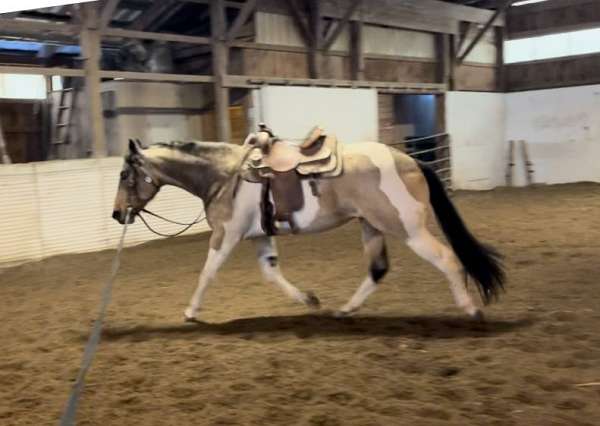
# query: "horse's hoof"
{"type": "Point", "coordinates": [190, 319]}
{"type": "Point", "coordinates": [312, 301]}
{"type": "Point", "coordinates": [478, 316]}
{"type": "Point", "coordinates": [344, 314]}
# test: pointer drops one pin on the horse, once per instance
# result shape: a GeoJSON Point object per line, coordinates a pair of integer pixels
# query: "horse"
{"type": "Point", "coordinates": [388, 192]}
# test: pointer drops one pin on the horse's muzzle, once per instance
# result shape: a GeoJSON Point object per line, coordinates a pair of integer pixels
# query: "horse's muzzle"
{"type": "Point", "coordinates": [119, 216]}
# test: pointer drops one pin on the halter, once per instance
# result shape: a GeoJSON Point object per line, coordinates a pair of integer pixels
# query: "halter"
{"type": "Point", "coordinates": [137, 168]}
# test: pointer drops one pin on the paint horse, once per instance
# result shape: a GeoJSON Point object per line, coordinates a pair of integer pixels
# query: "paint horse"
{"type": "Point", "coordinates": [386, 190]}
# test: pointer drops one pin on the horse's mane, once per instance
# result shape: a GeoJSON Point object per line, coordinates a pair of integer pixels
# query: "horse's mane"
{"type": "Point", "coordinates": [195, 148]}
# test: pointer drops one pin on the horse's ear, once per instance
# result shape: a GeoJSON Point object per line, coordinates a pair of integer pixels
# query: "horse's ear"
{"type": "Point", "coordinates": [135, 147]}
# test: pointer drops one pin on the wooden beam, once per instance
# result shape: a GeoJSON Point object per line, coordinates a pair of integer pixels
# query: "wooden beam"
{"type": "Point", "coordinates": [4, 157]}
{"type": "Point", "coordinates": [422, 15]}
{"type": "Point", "coordinates": [65, 72]}
{"type": "Point", "coordinates": [220, 56]}
{"type": "Point", "coordinates": [357, 56]}
{"type": "Point", "coordinates": [241, 19]}
{"type": "Point", "coordinates": [464, 28]}
{"type": "Point", "coordinates": [151, 76]}
{"type": "Point", "coordinates": [91, 52]}
{"type": "Point", "coordinates": [299, 21]}
{"type": "Point", "coordinates": [442, 47]}
{"type": "Point", "coordinates": [341, 25]}
{"type": "Point", "coordinates": [315, 57]}
{"type": "Point", "coordinates": [17, 25]}
{"type": "Point", "coordinates": [257, 81]}
{"type": "Point", "coordinates": [146, 35]}
{"type": "Point", "coordinates": [158, 9]}
{"type": "Point", "coordinates": [501, 8]}
{"type": "Point", "coordinates": [108, 12]}
{"type": "Point", "coordinates": [228, 4]}
{"type": "Point", "coordinates": [500, 36]}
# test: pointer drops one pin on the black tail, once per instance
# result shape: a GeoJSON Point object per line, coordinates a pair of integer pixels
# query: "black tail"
{"type": "Point", "coordinates": [481, 262]}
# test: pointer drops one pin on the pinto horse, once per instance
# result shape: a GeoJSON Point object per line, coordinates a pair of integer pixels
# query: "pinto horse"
{"type": "Point", "coordinates": [386, 190]}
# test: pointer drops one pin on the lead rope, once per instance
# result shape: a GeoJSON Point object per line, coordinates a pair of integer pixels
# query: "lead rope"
{"type": "Point", "coordinates": [200, 218]}
{"type": "Point", "coordinates": [68, 416]}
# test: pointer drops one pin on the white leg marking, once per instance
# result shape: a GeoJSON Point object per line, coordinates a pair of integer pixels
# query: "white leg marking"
{"type": "Point", "coordinates": [268, 261]}
{"type": "Point", "coordinates": [374, 248]}
{"type": "Point", "coordinates": [429, 248]}
{"type": "Point", "coordinates": [366, 288]}
{"type": "Point", "coordinates": [214, 261]}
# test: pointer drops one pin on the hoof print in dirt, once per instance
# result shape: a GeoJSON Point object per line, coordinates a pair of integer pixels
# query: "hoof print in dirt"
{"type": "Point", "coordinates": [312, 301]}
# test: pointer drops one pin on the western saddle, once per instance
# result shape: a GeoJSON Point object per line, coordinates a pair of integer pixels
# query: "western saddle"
{"type": "Point", "coordinates": [280, 166]}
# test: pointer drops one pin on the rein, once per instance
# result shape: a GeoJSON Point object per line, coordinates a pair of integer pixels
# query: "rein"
{"type": "Point", "coordinates": [200, 218]}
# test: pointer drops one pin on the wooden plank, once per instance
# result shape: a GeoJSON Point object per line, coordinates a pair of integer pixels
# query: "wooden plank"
{"type": "Point", "coordinates": [107, 13]}
{"type": "Point", "coordinates": [150, 76]}
{"type": "Point", "coordinates": [299, 21]}
{"type": "Point", "coordinates": [147, 35]}
{"type": "Point", "coordinates": [341, 25]}
{"type": "Point", "coordinates": [154, 12]}
{"type": "Point", "coordinates": [552, 17]}
{"type": "Point", "coordinates": [423, 15]}
{"type": "Point", "coordinates": [500, 36]}
{"type": "Point", "coordinates": [90, 51]}
{"type": "Point", "coordinates": [315, 60]}
{"type": "Point", "coordinates": [220, 61]}
{"type": "Point", "coordinates": [66, 72]}
{"type": "Point", "coordinates": [483, 30]}
{"type": "Point", "coordinates": [442, 47]}
{"type": "Point", "coordinates": [257, 81]}
{"type": "Point", "coordinates": [41, 27]}
{"type": "Point", "coordinates": [357, 50]}
{"type": "Point", "coordinates": [241, 19]}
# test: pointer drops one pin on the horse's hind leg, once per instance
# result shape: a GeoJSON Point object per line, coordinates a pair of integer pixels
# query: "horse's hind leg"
{"type": "Point", "coordinates": [269, 266]}
{"type": "Point", "coordinates": [375, 250]}
{"type": "Point", "coordinates": [430, 248]}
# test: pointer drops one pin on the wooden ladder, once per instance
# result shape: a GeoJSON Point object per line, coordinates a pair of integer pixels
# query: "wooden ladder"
{"type": "Point", "coordinates": [4, 157]}
{"type": "Point", "coordinates": [64, 114]}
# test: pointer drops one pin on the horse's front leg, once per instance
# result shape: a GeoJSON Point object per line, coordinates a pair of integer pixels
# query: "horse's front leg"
{"type": "Point", "coordinates": [268, 260]}
{"type": "Point", "coordinates": [221, 245]}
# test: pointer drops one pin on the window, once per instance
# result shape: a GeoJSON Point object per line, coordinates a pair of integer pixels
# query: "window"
{"type": "Point", "coordinates": [22, 86]}
{"type": "Point", "coordinates": [552, 46]}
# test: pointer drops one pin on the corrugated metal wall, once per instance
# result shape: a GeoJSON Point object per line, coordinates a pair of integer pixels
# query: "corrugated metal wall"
{"type": "Point", "coordinates": [58, 207]}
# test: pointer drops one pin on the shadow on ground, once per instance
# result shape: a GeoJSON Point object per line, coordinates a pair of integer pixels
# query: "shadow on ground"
{"type": "Point", "coordinates": [304, 326]}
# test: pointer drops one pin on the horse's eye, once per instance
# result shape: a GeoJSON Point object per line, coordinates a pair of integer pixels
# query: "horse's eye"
{"type": "Point", "coordinates": [124, 174]}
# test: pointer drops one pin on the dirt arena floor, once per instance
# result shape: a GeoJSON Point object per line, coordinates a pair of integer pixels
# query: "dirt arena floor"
{"type": "Point", "coordinates": [408, 358]}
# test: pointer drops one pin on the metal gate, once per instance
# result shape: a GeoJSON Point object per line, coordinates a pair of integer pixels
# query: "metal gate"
{"type": "Point", "coordinates": [433, 150]}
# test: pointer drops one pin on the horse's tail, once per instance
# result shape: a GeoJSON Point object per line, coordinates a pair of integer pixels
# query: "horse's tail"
{"type": "Point", "coordinates": [481, 262]}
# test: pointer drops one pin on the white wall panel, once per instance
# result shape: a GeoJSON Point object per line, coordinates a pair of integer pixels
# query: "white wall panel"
{"type": "Point", "coordinates": [476, 122]}
{"type": "Point", "coordinates": [562, 130]}
{"type": "Point", "coordinates": [292, 111]}
{"type": "Point", "coordinates": [277, 29]}
{"type": "Point", "coordinates": [396, 42]}
{"type": "Point", "coordinates": [60, 207]}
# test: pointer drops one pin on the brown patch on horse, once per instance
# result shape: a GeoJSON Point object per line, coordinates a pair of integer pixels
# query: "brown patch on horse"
{"type": "Point", "coordinates": [358, 191]}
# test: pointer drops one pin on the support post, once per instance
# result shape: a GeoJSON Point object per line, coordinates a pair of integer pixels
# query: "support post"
{"type": "Point", "coordinates": [500, 9]}
{"type": "Point", "coordinates": [442, 47]}
{"type": "Point", "coordinates": [315, 55]}
{"type": "Point", "coordinates": [356, 50]}
{"type": "Point", "coordinates": [4, 157]}
{"type": "Point", "coordinates": [452, 61]}
{"type": "Point", "coordinates": [220, 54]}
{"type": "Point", "coordinates": [90, 50]}
{"type": "Point", "coordinates": [500, 35]}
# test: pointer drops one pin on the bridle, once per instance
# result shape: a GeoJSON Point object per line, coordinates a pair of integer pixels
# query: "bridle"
{"type": "Point", "coordinates": [136, 169]}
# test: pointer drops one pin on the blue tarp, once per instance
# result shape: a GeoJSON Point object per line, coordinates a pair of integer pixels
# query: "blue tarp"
{"type": "Point", "coordinates": [31, 46]}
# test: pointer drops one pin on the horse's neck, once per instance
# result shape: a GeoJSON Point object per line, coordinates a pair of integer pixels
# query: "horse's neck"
{"type": "Point", "coordinates": [203, 176]}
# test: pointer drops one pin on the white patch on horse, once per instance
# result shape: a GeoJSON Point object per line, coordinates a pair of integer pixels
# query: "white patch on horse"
{"type": "Point", "coordinates": [410, 210]}
{"type": "Point", "coordinates": [308, 213]}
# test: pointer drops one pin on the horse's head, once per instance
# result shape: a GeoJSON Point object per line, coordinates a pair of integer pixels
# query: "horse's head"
{"type": "Point", "coordinates": [137, 185]}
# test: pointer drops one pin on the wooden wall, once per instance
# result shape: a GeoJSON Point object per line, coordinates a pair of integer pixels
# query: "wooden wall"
{"type": "Point", "coordinates": [475, 77]}
{"type": "Point", "coordinates": [560, 72]}
{"type": "Point", "coordinates": [552, 17]}
{"type": "Point", "coordinates": [21, 123]}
